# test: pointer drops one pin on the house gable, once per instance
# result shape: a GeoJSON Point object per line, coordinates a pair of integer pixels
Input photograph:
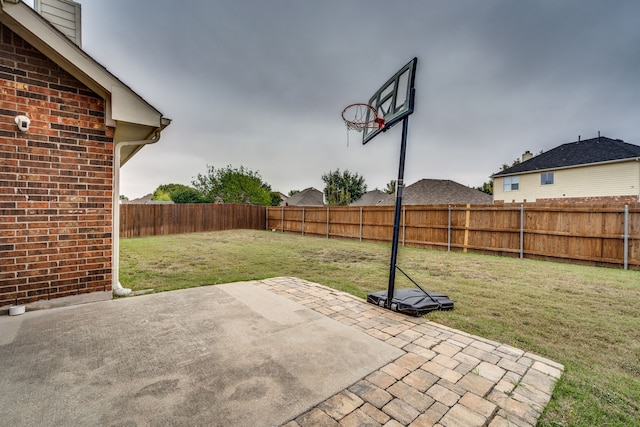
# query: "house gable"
{"type": "Point", "coordinates": [133, 118]}
{"type": "Point", "coordinates": [597, 170]}
{"type": "Point", "coordinates": [579, 153]}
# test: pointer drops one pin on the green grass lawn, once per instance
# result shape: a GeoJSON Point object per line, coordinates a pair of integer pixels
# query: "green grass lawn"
{"type": "Point", "coordinates": [587, 318]}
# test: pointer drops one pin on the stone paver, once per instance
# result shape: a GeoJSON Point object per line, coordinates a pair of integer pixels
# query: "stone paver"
{"type": "Point", "coordinates": [375, 413]}
{"type": "Point", "coordinates": [445, 378]}
{"type": "Point", "coordinates": [359, 418]}
{"type": "Point", "coordinates": [413, 397]}
{"type": "Point", "coordinates": [371, 393]}
{"type": "Point", "coordinates": [316, 418]}
{"type": "Point", "coordinates": [421, 380]}
{"type": "Point", "coordinates": [341, 404]}
{"type": "Point", "coordinates": [401, 411]}
{"type": "Point", "coordinates": [461, 416]}
{"type": "Point", "coordinates": [478, 404]}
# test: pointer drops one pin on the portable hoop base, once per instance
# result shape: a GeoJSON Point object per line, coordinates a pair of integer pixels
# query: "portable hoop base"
{"type": "Point", "coordinates": [414, 302]}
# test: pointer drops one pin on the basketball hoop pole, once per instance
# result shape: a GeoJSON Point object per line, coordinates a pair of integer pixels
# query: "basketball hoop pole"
{"type": "Point", "coordinates": [398, 211]}
{"type": "Point", "coordinates": [392, 103]}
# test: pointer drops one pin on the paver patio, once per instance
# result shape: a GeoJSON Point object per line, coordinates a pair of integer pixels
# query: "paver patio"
{"type": "Point", "coordinates": [445, 378]}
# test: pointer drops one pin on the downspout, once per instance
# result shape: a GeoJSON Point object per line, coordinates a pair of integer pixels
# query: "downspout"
{"type": "Point", "coordinates": [116, 286]}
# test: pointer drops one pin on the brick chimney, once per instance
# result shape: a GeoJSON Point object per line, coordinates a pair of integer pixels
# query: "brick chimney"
{"type": "Point", "coordinates": [64, 15]}
{"type": "Point", "coordinates": [526, 156]}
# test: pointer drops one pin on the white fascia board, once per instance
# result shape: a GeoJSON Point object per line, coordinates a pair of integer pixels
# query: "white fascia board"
{"type": "Point", "coordinates": [123, 104]}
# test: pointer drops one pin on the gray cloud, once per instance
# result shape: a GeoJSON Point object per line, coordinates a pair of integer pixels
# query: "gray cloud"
{"type": "Point", "coordinates": [262, 84]}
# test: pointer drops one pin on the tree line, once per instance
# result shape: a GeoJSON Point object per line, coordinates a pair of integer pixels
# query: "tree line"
{"type": "Point", "coordinates": [242, 185]}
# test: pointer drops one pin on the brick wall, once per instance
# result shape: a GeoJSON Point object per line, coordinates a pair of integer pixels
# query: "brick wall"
{"type": "Point", "coordinates": [55, 180]}
{"type": "Point", "coordinates": [575, 201]}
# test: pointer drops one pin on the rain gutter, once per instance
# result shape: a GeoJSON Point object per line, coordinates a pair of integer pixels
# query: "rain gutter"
{"type": "Point", "coordinates": [116, 286]}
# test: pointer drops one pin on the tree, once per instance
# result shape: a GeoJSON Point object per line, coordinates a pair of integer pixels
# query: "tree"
{"type": "Point", "coordinates": [163, 192]}
{"type": "Point", "coordinates": [487, 187]}
{"type": "Point", "coordinates": [188, 195]}
{"type": "Point", "coordinates": [343, 188]}
{"type": "Point", "coordinates": [391, 187]}
{"type": "Point", "coordinates": [233, 185]}
{"type": "Point", "coordinates": [506, 166]}
{"type": "Point", "coordinates": [276, 198]}
{"type": "Point", "coordinates": [177, 193]}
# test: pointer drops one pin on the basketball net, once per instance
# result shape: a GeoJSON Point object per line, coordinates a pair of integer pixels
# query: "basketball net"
{"type": "Point", "coordinates": [359, 117]}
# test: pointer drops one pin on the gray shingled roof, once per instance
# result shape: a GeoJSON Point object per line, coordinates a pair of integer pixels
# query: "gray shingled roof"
{"type": "Point", "coordinates": [145, 200]}
{"type": "Point", "coordinates": [371, 198]}
{"type": "Point", "coordinates": [439, 192]}
{"type": "Point", "coordinates": [307, 197]}
{"type": "Point", "coordinates": [589, 151]}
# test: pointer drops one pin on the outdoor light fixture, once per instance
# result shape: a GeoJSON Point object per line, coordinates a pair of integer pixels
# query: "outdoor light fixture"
{"type": "Point", "coordinates": [23, 123]}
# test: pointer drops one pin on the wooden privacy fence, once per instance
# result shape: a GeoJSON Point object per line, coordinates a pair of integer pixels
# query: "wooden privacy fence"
{"type": "Point", "coordinates": [158, 219]}
{"type": "Point", "coordinates": [597, 235]}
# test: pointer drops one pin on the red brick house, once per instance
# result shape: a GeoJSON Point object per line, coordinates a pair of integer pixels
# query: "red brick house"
{"type": "Point", "coordinates": [59, 176]}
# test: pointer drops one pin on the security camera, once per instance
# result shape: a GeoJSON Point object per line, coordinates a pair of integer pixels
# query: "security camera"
{"type": "Point", "coordinates": [23, 123]}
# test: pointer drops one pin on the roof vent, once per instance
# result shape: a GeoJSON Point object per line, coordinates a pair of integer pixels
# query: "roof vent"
{"type": "Point", "coordinates": [64, 15]}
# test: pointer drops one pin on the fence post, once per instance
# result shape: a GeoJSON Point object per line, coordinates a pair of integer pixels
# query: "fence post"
{"type": "Point", "coordinates": [282, 220]}
{"type": "Point", "coordinates": [626, 237]}
{"type": "Point", "coordinates": [449, 231]}
{"type": "Point", "coordinates": [361, 223]}
{"type": "Point", "coordinates": [404, 223]}
{"type": "Point", "coordinates": [521, 231]}
{"type": "Point", "coordinates": [303, 221]}
{"type": "Point", "coordinates": [267, 220]}
{"type": "Point", "coordinates": [327, 222]}
{"type": "Point", "coordinates": [467, 221]}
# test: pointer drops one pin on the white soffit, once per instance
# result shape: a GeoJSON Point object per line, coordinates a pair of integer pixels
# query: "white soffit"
{"type": "Point", "coordinates": [129, 107]}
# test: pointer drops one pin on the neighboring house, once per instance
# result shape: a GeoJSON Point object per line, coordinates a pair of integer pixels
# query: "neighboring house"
{"type": "Point", "coordinates": [307, 197]}
{"type": "Point", "coordinates": [597, 170]}
{"type": "Point", "coordinates": [59, 176]}
{"type": "Point", "coordinates": [439, 192]}
{"type": "Point", "coordinates": [146, 200]}
{"type": "Point", "coordinates": [371, 198]}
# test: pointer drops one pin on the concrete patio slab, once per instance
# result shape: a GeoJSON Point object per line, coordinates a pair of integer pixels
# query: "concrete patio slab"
{"type": "Point", "coordinates": [223, 355]}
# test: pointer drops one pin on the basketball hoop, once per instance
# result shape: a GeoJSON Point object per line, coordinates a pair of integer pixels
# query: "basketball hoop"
{"type": "Point", "coordinates": [359, 117]}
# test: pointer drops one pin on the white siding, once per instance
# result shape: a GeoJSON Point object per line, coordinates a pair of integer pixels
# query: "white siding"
{"type": "Point", "coordinates": [613, 179]}
{"type": "Point", "coordinates": [65, 15]}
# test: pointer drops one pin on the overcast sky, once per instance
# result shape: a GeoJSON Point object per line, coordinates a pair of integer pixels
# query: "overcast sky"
{"type": "Point", "coordinates": [262, 83]}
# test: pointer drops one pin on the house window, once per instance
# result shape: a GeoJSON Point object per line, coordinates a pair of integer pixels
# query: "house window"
{"type": "Point", "coordinates": [511, 183]}
{"type": "Point", "coordinates": [546, 178]}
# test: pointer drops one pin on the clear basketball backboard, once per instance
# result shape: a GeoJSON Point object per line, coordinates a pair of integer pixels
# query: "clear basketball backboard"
{"type": "Point", "coordinates": [393, 101]}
